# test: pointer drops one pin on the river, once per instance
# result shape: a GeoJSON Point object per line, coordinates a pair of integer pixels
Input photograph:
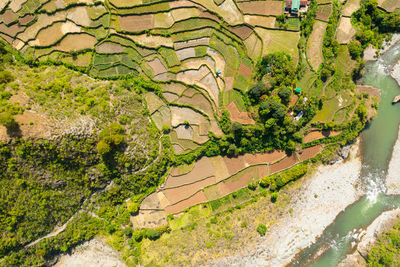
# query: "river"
{"type": "Point", "coordinates": [377, 142]}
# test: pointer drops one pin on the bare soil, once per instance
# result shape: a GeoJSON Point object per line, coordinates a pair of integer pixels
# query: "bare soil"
{"type": "Point", "coordinates": [194, 200]}
{"type": "Point", "coordinates": [136, 23]}
{"type": "Point", "coordinates": [237, 116]}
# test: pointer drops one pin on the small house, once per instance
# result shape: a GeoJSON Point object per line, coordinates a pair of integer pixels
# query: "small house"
{"type": "Point", "coordinates": [295, 7]}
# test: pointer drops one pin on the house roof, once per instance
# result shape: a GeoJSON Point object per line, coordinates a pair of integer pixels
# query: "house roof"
{"type": "Point", "coordinates": [295, 5]}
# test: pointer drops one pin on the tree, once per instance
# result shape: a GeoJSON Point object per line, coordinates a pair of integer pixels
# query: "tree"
{"type": "Point", "coordinates": [285, 93]}
{"type": "Point", "coordinates": [256, 91]}
{"type": "Point", "coordinates": [233, 150]}
{"type": "Point", "coordinates": [7, 120]}
{"type": "Point", "coordinates": [237, 129]}
{"type": "Point", "coordinates": [355, 49]}
{"type": "Point", "coordinates": [103, 148]}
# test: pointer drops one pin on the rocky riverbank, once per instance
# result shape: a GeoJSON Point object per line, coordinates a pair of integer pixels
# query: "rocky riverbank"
{"type": "Point", "coordinates": [324, 194]}
{"type": "Point", "coordinates": [368, 237]}
{"type": "Point", "coordinates": [395, 73]}
{"type": "Point", "coordinates": [393, 177]}
{"type": "Point", "coordinates": [370, 52]}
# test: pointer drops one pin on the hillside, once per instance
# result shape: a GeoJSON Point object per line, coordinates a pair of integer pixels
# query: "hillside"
{"type": "Point", "coordinates": [118, 116]}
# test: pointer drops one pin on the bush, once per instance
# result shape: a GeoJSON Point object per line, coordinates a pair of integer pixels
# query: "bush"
{"type": "Point", "coordinates": [7, 120]}
{"type": "Point", "coordinates": [285, 93]}
{"type": "Point", "coordinates": [252, 186]}
{"type": "Point", "coordinates": [262, 229]}
{"type": "Point", "coordinates": [274, 196]}
{"type": "Point", "coordinates": [133, 207]}
{"type": "Point", "coordinates": [153, 234]}
{"type": "Point", "coordinates": [166, 129]}
{"type": "Point", "coordinates": [355, 49]}
{"type": "Point", "coordinates": [6, 77]}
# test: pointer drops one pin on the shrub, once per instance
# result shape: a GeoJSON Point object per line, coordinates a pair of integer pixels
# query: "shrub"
{"type": "Point", "coordinates": [285, 93]}
{"type": "Point", "coordinates": [243, 224]}
{"type": "Point", "coordinates": [7, 120]}
{"type": "Point", "coordinates": [355, 49]}
{"type": "Point", "coordinates": [166, 129]}
{"type": "Point", "coordinates": [274, 196]}
{"type": "Point", "coordinates": [6, 77]}
{"type": "Point", "coordinates": [128, 231]}
{"type": "Point", "coordinates": [133, 207]}
{"type": "Point", "coordinates": [153, 234]}
{"type": "Point", "coordinates": [138, 235]}
{"type": "Point", "coordinates": [252, 186]}
{"type": "Point", "coordinates": [262, 229]}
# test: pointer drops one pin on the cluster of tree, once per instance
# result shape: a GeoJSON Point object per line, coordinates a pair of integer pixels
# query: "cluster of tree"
{"type": "Point", "coordinates": [7, 110]}
{"type": "Point", "coordinates": [278, 180]}
{"type": "Point", "coordinates": [373, 23]}
{"type": "Point", "coordinates": [110, 138]}
{"type": "Point", "coordinates": [307, 23]}
{"type": "Point", "coordinates": [330, 46]}
{"type": "Point", "coordinates": [52, 176]}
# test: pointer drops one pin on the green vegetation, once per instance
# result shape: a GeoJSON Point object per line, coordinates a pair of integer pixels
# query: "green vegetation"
{"type": "Point", "coordinates": [386, 251]}
{"type": "Point", "coordinates": [373, 25]}
{"type": "Point", "coordinates": [278, 180]}
{"type": "Point", "coordinates": [262, 229]}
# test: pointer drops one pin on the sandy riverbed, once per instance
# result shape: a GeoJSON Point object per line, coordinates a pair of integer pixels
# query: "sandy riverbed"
{"type": "Point", "coordinates": [393, 175]}
{"type": "Point", "coordinates": [325, 193]}
{"type": "Point", "coordinates": [94, 253]}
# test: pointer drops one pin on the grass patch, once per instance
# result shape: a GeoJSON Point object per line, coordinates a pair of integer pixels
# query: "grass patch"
{"type": "Point", "coordinates": [293, 24]}
{"type": "Point", "coordinates": [235, 96]}
{"type": "Point", "coordinates": [170, 56]}
{"type": "Point", "coordinates": [307, 81]}
{"type": "Point", "coordinates": [240, 83]}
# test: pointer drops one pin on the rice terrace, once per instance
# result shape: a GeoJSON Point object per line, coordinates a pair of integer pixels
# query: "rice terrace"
{"type": "Point", "coordinates": [140, 122]}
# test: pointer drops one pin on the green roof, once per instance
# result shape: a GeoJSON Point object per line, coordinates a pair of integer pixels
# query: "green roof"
{"type": "Point", "coordinates": [295, 5]}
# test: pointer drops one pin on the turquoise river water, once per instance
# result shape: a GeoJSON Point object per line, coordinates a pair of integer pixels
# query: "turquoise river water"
{"type": "Point", "coordinates": [377, 142]}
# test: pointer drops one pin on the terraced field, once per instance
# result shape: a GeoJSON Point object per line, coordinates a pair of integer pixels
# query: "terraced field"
{"type": "Point", "coordinates": [200, 53]}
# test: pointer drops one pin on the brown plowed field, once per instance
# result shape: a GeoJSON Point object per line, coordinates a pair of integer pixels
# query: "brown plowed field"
{"type": "Point", "coordinates": [26, 19]}
{"type": "Point", "coordinates": [194, 200]}
{"type": "Point", "coordinates": [310, 152]}
{"type": "Point", "coordinates": [315, 135]}
{"type": "Point", "coordinates": [245, 71]}
{"type": "Point", "coordinates": [12, 30]}
{"type": "Point", "coordinates": [9, 17]}
{"type": "Point", "coordinates": [262, 171]}
{"type": "Point", "coordinates": [238, 181]}
{"type": "Point", "coordinates": [242, 31]}
{"type": "Point", "coordinates": [293, 100]}
{"type": "Point", "coordinates": [208, 15]}
{"type": "Point", "coordinates": [283, 164]}
{"type": "Point", "coordinates": [157, 66]}
{"type": "Point", "coordinates": [175, 195]}
{"type": "Point", "coordinates": [184, 3]}
{"type": "Point", "coordinates": [136, 23]}
{"type": "Point", "coordinates": [109, 48]}
{"type": "Point", "coordinates": [323, 12]}
{"type": "Point", "coordinates": [234, 164]}
{"type": "Point", "coordinates": [271, 157]}
{"type": "Point", "coordinates": [237, 116]}
{"type": "Point", "coordinates": [272, 8]}
{"type": "Point", "coordinates": [75, 42]}
{"type": "Point", "coordinates": [202, 169]}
